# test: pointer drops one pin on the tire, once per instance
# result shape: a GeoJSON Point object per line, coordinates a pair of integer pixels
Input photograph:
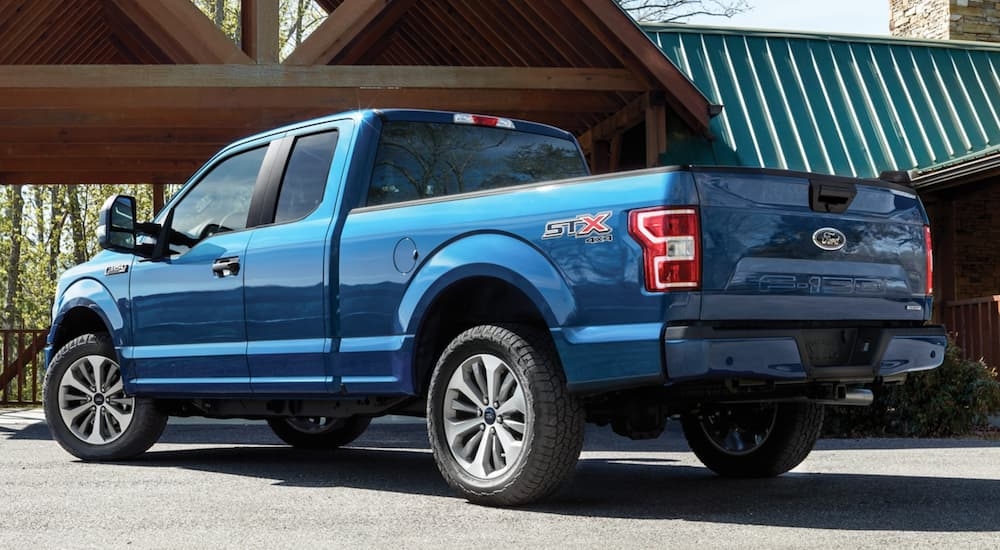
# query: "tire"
{"type": "Point", "coordinates": [87, 409]}
{"type": "Point", "coordinates": [520, 443]}
{"type": "Point", "coordinates": [309, 432]}
{"type": "Point", "coordinates": [753, 440]}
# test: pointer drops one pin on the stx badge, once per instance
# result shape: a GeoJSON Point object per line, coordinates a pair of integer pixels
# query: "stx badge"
{"type": "Point", "coordinates": [591, 227]}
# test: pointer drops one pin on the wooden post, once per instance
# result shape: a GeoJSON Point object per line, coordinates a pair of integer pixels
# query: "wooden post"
{"type": "Point", "coordinates": [600, 157]}
{"type": "Point", "coordinates": [656, 129]}
{"type": "Point", "coordinates": [260, 30]}
{"type": "Point", "coordinates": [616, 152]}
{"type": "Point", "coordinates": [159, 190]}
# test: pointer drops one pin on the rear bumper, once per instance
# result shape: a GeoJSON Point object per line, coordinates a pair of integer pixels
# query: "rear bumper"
{"type": "Point", "coordinates": [707, 353]}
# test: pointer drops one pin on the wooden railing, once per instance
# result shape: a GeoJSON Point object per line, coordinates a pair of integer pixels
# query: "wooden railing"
{"type": "Point", "coordinates": [975, 326]}
{"type": "Point", "coordinates": [22, 360]}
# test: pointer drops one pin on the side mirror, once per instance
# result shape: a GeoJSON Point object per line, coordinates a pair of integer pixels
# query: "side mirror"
{"type": "Point", "coordinates": [116, 224]}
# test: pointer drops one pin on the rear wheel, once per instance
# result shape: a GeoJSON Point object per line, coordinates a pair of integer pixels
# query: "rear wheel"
{"type": "Point", "coordinates": [318, 432]}
{"type": "Point", "coordinates": [87, 409]}
{"type": "Point", "coordinates": [502, 426]}
{"type": "Point", "coordinates": [753, 439]}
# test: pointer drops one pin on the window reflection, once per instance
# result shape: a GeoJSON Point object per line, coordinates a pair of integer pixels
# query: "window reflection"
{"type": "Point", "coordinates": [418, 160]}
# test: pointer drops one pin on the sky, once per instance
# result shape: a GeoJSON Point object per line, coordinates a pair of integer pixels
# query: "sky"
{"type": "Point", "coordinates": [834, 16]}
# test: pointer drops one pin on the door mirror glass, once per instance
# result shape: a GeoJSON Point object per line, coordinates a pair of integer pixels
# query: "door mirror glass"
{"type": "Point", "coordinates": [116, 224]}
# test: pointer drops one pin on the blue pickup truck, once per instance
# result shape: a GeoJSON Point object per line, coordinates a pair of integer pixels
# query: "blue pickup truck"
{"type": "Point", "coordinates": [469, 269]}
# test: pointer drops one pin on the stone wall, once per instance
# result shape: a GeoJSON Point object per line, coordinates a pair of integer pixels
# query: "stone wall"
{"type": "Point", "coordinates": [919, 18]}
{"type": "Point", "coordinates": [977, 20]}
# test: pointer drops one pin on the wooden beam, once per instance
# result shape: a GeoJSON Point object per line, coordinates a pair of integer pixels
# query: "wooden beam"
{"type": "Point", "coordinates": [43, 177]}
{"type": "Point", "coordinates": [117, 77]}
{"type": "Point", "coordinates": [140, 112]}
{"type": "Point", "coordinates": [328, 5]}
{"type": "Point", "coordinates": [182, 31]}
{"type": "Point", "coordinates": [114, 134]}
{"type": "Point", "coordinates": [341, 27]}
{"type": "Point", "coordinates": [118, 150]}
{"type": "Point", "coordinates": [627, 117]}
{"type": "Point", "coordinates": [106, 164]}
{"type": "Point", "coordinates": [327, 100]}
{"type": "Point", "coordinates": [259, 27]}
{"type": "Point", "coordinates": [624, 38]}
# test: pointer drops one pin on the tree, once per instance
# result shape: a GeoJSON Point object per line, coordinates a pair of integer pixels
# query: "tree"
{"type": "Point", "coordinates": [667, 11]}
{"type": "Point", "coordinates": [14, 201]}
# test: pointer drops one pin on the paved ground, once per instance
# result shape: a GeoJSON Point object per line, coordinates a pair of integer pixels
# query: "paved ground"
{"type": "Point", "coordinates": [231, 485]}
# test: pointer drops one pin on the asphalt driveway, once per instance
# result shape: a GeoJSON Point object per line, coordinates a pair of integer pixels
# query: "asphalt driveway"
{"type": "Point", "coordinates": [233, 485]}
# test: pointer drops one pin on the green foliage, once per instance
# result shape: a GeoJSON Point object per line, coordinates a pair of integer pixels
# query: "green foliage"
{"type": "Point", "coordinates": [955, 399]}
{"type": "Point", "coordinates": [296, 20]}
{"type": "Point", "coordinates": [56, 233]}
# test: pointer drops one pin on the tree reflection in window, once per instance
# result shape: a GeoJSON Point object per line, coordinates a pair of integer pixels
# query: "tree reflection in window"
{"type": "Point", "coordinates": [418, 160]}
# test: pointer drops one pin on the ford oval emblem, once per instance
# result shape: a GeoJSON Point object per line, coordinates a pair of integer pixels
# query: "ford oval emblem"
{"type": "Point", "coordinates": [829, 238]}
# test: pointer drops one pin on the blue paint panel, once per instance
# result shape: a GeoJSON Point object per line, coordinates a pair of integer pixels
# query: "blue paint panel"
{"type": "Point", "coordinates": [499, 235]}
{"type": "Point", "coordinates": [288, 281]}
{"type": "Point", "coordinates": [189, 323]}
{"type": "Point", "coordinates": [609, 364]}
{"type": "Point", "coordinates": [375, 366]}
{"type": "Point", "coordinates": [757, 231]}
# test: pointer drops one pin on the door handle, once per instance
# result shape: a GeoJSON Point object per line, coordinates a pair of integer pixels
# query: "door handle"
{"type": "Point", "coordinates": [226, 267]}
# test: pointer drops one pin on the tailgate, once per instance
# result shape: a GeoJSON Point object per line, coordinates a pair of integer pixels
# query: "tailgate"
{"type": "Point", "coordinates": [790, 246]}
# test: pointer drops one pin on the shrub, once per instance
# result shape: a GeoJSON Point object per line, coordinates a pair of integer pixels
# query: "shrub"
{"type": "Point", "coordinates": [954, 399]}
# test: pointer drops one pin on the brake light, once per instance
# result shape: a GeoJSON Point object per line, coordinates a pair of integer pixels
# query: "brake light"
{"type": "Point", "coordinates": [480, 120]}
{"type": "Point", "coordinates": [930, 259]}
{"type": "Point", "coordinates": [671, 242]}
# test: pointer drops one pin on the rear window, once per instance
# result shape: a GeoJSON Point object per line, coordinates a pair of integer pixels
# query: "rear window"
{"type": "Point", "coordinates": [417, 160]}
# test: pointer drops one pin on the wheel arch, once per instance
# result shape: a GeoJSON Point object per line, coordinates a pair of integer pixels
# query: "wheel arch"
{"type": "Point", "coordinates": [489, 278]}
{"type": "Point", "coordinates": [86, 307]}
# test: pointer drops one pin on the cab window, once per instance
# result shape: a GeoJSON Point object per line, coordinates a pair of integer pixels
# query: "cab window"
{"type": "Point", "coordinates": [219, 202]}
{"type": "Point", "coordinates": [305, 177]}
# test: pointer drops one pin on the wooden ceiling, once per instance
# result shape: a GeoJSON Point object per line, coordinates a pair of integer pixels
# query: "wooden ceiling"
{"type": "Point", "coordinates": [116, 91]}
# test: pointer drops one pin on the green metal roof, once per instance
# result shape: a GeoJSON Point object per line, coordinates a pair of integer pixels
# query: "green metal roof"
{"type": "Point", "coordinates": [840, 104]}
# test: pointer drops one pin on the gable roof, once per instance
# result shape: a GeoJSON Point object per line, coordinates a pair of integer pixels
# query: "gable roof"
{"type": "Point", "coordinates": [116, 91]}
{"type": "Point", "coordinates": [841, 104]}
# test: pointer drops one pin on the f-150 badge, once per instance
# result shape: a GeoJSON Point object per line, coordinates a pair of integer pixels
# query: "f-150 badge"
{"type": "Point", "coordinates": [591, 227]}
{"type": "Point", "coordinates": [116, 269]}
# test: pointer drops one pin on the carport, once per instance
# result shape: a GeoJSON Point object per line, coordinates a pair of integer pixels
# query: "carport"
{"type": "Point", "coordinates": [144, 91]}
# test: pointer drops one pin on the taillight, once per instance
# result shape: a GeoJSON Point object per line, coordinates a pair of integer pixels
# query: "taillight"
{"type": "Point", "coordinates": [671, 242]}
{"type": "Point", "coordinates": [930, 259]}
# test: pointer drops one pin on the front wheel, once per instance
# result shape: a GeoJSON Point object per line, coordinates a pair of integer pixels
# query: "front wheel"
{"type": "Point", "coordinates": [87, 409]}
{"type": "Point", "coordinates": [753, 439]}
{"type": "Point", "coordinates": [502, 426]}
{"type": "Point", "coordinates": [310, 432]}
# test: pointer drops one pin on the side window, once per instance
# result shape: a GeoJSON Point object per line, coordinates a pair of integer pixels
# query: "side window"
{"type": "Point", "coordinates": [417, 160]}
{"type": "Point", "coordinates": [305, 177]}
{"type": "Point", "coordinates": [219, 202]}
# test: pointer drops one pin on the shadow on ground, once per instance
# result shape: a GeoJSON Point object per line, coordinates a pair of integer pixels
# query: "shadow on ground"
{"type": "Point", "coordinates": [642, 484]}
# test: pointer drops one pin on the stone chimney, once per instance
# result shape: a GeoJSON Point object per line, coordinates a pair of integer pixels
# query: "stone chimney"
{"type": "Point", "coordinates": [977, 20]}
